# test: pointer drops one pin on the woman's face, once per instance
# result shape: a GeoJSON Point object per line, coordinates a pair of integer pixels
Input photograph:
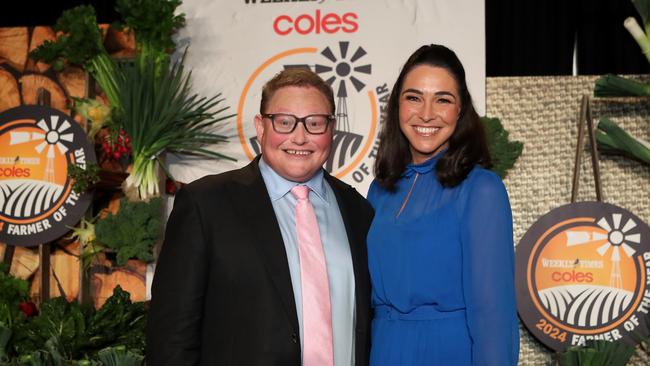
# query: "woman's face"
{"type": "Point", "coordinates": [429, 105]}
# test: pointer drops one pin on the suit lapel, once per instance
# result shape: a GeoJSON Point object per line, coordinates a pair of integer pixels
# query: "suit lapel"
{"type": "Point", "coordinates": [259, 213]}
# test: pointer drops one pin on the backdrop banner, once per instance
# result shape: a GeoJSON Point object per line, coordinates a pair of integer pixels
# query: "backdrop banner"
{"type": "Point", "coordinates": [358, 47]}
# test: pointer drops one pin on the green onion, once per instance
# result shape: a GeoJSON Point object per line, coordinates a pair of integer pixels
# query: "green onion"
{"type": "Point", "coordinates": [643, 8]}
{"type": "Point", "coordinates": [614, 140]}
{"type": "Point", "coordinates": [159, 113]}
{"type": "Point", "coordinates": [639, 35]}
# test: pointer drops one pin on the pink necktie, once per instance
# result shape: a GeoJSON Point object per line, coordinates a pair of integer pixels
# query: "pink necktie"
{"type": "Point", "coordinates": [316, 308]}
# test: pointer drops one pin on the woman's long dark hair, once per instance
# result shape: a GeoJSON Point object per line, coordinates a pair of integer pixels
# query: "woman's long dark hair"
{"type": "Point", "coordinates": [467, 144]}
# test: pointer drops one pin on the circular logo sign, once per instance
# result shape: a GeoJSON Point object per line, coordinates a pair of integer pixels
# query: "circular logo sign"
{"type": "Point", "coordinates": [37, 203]}
{"type": "Point", "coordinates": [582, 272]}
{"type": "Point", "coordinates": [347, 68]}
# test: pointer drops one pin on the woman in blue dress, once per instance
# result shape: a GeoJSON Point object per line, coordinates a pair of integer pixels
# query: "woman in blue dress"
{"type": "Point", "coordinates": [440, 248]}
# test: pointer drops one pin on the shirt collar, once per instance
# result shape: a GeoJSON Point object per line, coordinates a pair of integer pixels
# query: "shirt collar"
{"type": "Point", "coordinates": [279, 186]}
{"type": "Point", "coordinates": [424, 167]}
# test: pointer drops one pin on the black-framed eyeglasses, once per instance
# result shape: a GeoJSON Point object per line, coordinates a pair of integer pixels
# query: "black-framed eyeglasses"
{"type": "Point", "coordinates": [284, 123]}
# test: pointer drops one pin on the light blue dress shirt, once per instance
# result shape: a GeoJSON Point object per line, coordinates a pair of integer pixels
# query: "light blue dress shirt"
{"type": "Point", "coordinates": [336, 249]}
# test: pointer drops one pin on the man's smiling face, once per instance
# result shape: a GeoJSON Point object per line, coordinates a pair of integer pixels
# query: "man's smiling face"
{"type": "Point", "coordinates": [296, 156]}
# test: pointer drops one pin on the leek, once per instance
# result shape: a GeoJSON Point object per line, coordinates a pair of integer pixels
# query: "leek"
{"type": "Point", "coordinates": [614, 140]}
{"type": "Point", "coordinates": [615, 86]}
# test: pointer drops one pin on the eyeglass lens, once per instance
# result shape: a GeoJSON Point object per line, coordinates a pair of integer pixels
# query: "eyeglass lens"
{"type": "Point", "coordinates": [286, 123]}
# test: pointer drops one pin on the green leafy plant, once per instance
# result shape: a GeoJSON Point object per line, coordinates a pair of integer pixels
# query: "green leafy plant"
{"type": "Point", "coordinates": [80, 44]}
{"type": "Point", "coordinates": [36, 358]}
{"type": "Point", "coordinates": [71, 334]}
{"type": "Point", "coordinates": [119, 356]}
{"type": "Point", "coordinates": [504, 152]}
{"type": "Point", "coordinates": [133, 231]}
{"type": "Point", "coordinates": [13, 292]}
{"type": "Point", "coordinates": [5, 336]}
{"type": "Point", "coordinates": [153, 23]}
{"type": "Point", "coordinates": [83, 177]}
{"type": "Point", "coordinates": [596, 353]}
{"type": "Point", "coordinates": [612, 139]}
{"type": "Point", "coordinates": [59, 320]}
{"type": "Point", "coordinates": [119, 322]}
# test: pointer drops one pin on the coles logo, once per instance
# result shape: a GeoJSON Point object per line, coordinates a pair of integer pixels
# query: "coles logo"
{"type": "Point", "coordinates": [359, 104]}
{"type": "Point", "coordinates": [14, 172]}
{"type": "Point", "coordinates": [37, 203]}
{"type": "Point", "coordinates": [316, 23]}
{"type": "Point", "coordinates": [582, 273]}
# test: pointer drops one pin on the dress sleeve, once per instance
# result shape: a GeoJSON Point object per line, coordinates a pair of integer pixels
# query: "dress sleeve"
{"type": "Point", "coordinates": [372, 193]}
{"type": "Point", "coordinates": [175, 315]}
{"type": "Point", "coordinates": [488, 272]}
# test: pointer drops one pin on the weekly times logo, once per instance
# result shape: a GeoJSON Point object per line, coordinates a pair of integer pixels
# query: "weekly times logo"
{"type": "Point", "coordinates": [582, 273]}
{"type": "Point", "coordinates": [37, 203]}
{"type": "Point", "coordinates": [359, 105]}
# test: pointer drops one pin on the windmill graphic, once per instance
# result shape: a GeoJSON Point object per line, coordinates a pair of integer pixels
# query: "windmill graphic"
{"type": "Point", "coordinates": [342, 68]}
{"type": "Point", "coordinates": [51, 139]}
{"type": "Point", "coordinates": [617, 238]}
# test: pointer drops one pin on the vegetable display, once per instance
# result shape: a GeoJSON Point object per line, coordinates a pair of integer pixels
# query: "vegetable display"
{"type": "Point", "coordinates": [149, 97]}
{"type": "Point", "coordinates": [66, 333]}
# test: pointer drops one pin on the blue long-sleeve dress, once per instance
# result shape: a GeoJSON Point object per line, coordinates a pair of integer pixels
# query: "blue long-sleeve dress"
{"type": "Point", "coordinates": [442, 271]}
